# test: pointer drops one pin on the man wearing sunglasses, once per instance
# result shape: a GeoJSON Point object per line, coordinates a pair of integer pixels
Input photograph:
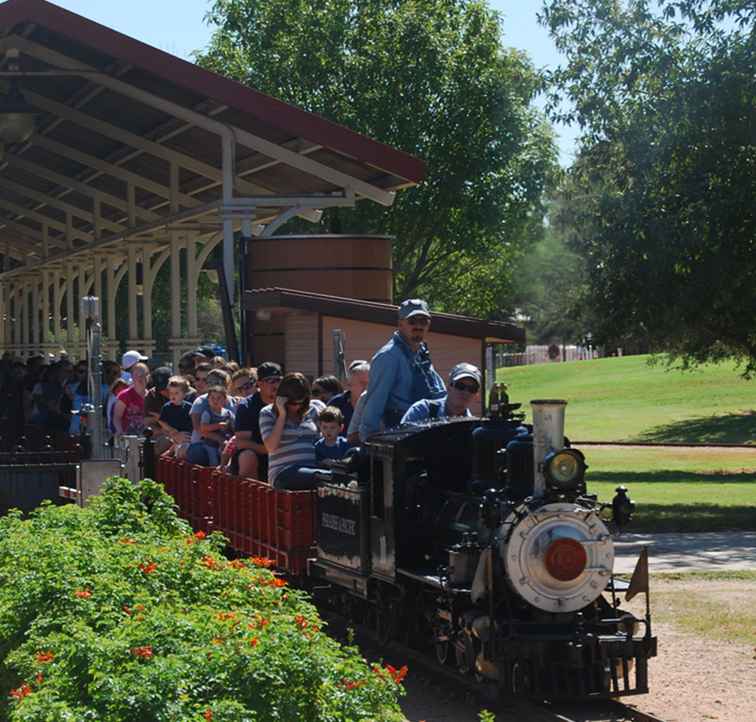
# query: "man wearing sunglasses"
{"type": "Point", "coordinates": [251, 456]}
{"type": "Point", "coordinates": [463, 389]}
{"type": "Point", "coordinates": [401, 373]}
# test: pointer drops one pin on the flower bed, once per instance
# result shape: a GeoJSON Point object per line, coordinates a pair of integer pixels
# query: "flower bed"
{"type": "Point", "coordinates": [119, 612]}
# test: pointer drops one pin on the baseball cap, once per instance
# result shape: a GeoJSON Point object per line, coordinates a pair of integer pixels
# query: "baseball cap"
{"type": "Point", "coordinates": [464, 371]}
{"type": "Point", "coordinates": [130, 358]}
{"type": "Point", "coordinates": [160, 377]}
{"type": "Point", "coordinates": [413, 307]}
{"type": "Point", "coordinates": [207, 351]}
{"type": "Point", "coordinates": [268, 370]}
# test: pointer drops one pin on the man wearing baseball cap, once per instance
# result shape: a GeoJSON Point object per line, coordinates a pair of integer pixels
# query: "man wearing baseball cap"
{"type": "Point", "coordinates": [251, 457]}
{"type": "Point", "coordinates": [401, 373]}
{"type": "Point", "coordinates": [127, 361]}
{"type": "Point", "coordinates": [463, 389]}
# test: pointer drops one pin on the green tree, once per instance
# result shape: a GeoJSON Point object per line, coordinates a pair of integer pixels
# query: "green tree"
{"type": "Point", "coordinates": [660, 202]}
{"type": "Point", "coordinates": [432, 78]}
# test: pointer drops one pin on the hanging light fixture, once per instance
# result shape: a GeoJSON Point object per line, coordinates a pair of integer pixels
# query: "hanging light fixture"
{"type": "Point", "coordinates": [17, 117]}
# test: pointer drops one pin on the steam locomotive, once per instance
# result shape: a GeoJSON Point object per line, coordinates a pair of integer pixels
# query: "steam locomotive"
{"type": "Point", "coordinates": [477, 540]}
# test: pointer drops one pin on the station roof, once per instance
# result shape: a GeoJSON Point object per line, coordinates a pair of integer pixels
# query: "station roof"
{"type": "Point", "coordinates": [127, 140]}
{"type": "Point", "coordinates": [384, 313]}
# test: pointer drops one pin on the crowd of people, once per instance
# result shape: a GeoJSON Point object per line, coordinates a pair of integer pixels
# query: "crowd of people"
{"type": "Point", "coordinates": [255, 422]}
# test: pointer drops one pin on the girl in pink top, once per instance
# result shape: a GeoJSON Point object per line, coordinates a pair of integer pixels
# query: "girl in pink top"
{"type": "Point", "coordinates": [128, 414]}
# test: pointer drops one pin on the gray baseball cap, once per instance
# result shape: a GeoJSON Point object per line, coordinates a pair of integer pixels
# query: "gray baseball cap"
{"type": "Point", "coordinates": [413, 307]}
{"type": "Point", "coordinates": [464, 371]}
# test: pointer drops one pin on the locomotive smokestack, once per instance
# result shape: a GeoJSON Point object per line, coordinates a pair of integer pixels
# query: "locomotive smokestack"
{"type": "Point", "coordinates": [548, 435]}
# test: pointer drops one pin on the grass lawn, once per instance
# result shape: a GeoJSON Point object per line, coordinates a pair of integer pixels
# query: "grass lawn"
{"type": "Point", "coordinates": [626, 399]}
{"type": "Point", "coordinates": [679, 489]}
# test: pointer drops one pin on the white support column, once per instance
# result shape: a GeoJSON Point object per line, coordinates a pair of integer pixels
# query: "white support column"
{"type": "Point", "coordinates": [57, 300]}
{"type": "Point", "coordinates": [70, 310]}
{"type": "Point", "coordinates": [148, 344]}
{"type": "Point", "coordinates": [44, 340]}
{"type": "Point", "coordinates": [25, 320]}
{"type": "Point", "coordinates": [17, 317]}
{"type": "Point", "coordinates": [191, 288]}
{"type": "Point", "coordinates": [175, 341]}
{"type": "Point", "coordinates": [3, 337]}
{"type": "Point", "coordinates": [134, 342]}
{"type": "Point", "coordinates": [35, 313]}
{"type": "Point", "coordinates": [111, 345]}
{"type": "Point", "coordinates": [81, 325]}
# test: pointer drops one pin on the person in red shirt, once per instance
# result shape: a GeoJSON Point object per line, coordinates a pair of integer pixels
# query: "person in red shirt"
{"type": "Point", "coordinates": [128, 414]}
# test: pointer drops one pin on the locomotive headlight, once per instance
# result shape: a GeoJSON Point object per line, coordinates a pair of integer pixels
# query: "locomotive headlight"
{"type": "Point", "coordinates": [565, 469]}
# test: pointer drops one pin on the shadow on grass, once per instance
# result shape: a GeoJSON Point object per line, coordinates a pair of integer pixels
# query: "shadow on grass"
{"type": "Point", "coordinates": [724, 429]}
{"type": "Point", "coordinates": [669, 476]}
{"type": "Point", "coordinates": [655, 518]}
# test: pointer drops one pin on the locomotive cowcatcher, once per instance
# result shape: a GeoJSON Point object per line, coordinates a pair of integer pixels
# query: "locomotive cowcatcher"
{"type": "Point", "coordinates": [476, 540]}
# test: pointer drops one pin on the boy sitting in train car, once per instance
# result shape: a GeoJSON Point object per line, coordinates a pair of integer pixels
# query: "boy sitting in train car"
{"type": "Point", "coordinates": [216, 423]}
{"type": "Point", "coordinates": [331, 445]}
{"type": "Point", "coordinates": [174, 416]}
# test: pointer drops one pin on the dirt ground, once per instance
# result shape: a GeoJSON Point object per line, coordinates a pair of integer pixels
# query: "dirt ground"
{"type": "Point", "coordinates": [706, 668]}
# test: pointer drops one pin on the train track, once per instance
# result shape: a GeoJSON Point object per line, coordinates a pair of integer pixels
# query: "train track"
{"type": "Point", "coordinates": [427, 672]}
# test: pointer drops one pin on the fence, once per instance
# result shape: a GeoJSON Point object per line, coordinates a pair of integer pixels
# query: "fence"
{"type": "Point", "coordinates": [546, 354]}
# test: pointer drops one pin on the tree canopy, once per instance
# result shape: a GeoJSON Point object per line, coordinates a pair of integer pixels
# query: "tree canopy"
{"type": "Point", "coordinates": [660, 202]}
{"type": "Point", "coordinates": [432, 78]}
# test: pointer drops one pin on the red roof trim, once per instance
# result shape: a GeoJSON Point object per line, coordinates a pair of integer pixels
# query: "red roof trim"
{"type": "Point", "coordinates": [175, 70]}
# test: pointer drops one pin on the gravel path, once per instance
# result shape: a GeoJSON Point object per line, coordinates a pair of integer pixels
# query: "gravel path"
{"type": "Point", "coordinates": [704, 551]}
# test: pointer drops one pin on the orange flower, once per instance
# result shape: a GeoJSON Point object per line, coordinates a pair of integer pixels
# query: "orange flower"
{"type": "Point", "coordinates": [39, 679]}
{"type": "Point", "coordinates": [209, 562]}
{"type": "Point", "coordinates": [253, 642]}
{"type": "Point", "coordinates": [126, 610]}
{"type": "Point", "coordinates": [225, 616]}
{"type": "Point", "coordinates": [83, 593]}
{"type": "Point", "coordinates": [45, 657]}
{"type": "Point", "coordinates": [148, 568]}
{"type": "Point", "coordinates": [143, 652]}
{"type": "Point", "coordinates": [208, 714]}
{"type": "Point", "coordinates": [352, 683]}
{"type": "Point", "coordinates": [200, 535]}
{"type": "Point", "coordinates": [300, 621]}
{"type": "Point", "coordinates": [126, 540]}
{"type": "Point", "coordinates": [263, 562]}
{"type": "Point", "coordinates": [397, 674]}
{"type": "Point", "coordinates": [237, 564]}
{"type": "Point", "coordinates": [217, 641]}
{"type": "Point", "coordinates": [20, 692]}
{"type": "Point", "coordinates": [278, 582]}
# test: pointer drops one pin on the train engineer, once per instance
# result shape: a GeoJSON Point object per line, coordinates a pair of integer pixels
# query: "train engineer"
{"type": "Point", "coordinates": [401, 372]}
{"type": "Point", "coordinates": [463, 389]}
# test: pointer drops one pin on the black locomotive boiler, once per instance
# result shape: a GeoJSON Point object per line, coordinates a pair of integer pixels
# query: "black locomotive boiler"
{"type": "Point", "coordinates": [477, 540]}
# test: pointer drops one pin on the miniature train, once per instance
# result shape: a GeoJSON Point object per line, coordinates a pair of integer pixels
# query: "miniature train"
{"type": "Point", "coordinates": [473, 539]}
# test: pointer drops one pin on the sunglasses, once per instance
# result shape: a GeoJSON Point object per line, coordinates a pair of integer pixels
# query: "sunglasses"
{"type": "Point", "coordinates": [470, 388]}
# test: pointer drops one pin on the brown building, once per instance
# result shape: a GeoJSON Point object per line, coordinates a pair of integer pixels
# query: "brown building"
{"type": "Point", "coordinates": [295, 328]}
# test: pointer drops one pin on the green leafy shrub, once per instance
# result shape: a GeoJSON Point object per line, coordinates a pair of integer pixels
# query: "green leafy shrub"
{"type": "Point", "coordinates": [118, 612]}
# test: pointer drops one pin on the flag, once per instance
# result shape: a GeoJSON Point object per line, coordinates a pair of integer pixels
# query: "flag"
{"type": "Point", "coordinates": [639, 580]}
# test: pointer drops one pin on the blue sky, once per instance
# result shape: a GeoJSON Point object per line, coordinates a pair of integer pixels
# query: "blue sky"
{"type": "Point", "coordinates": [177, 27]}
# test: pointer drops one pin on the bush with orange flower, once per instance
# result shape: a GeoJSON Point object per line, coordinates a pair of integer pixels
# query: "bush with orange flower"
{"type": "Point", "coordinates": [162, 627]}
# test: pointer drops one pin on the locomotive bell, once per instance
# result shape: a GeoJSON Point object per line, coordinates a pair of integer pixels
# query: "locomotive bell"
{"type": "Point", "coordinates": [548, 436]}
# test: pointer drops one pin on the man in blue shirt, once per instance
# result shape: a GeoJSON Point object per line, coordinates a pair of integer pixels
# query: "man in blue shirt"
{"type": "Point", "coordinates": [401, 372]}
{"type": "Point", "coordinates": [464, 386]}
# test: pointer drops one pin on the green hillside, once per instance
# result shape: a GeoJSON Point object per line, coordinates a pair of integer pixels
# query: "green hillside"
{"type": "Point", "coordinates": [626, 399]}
